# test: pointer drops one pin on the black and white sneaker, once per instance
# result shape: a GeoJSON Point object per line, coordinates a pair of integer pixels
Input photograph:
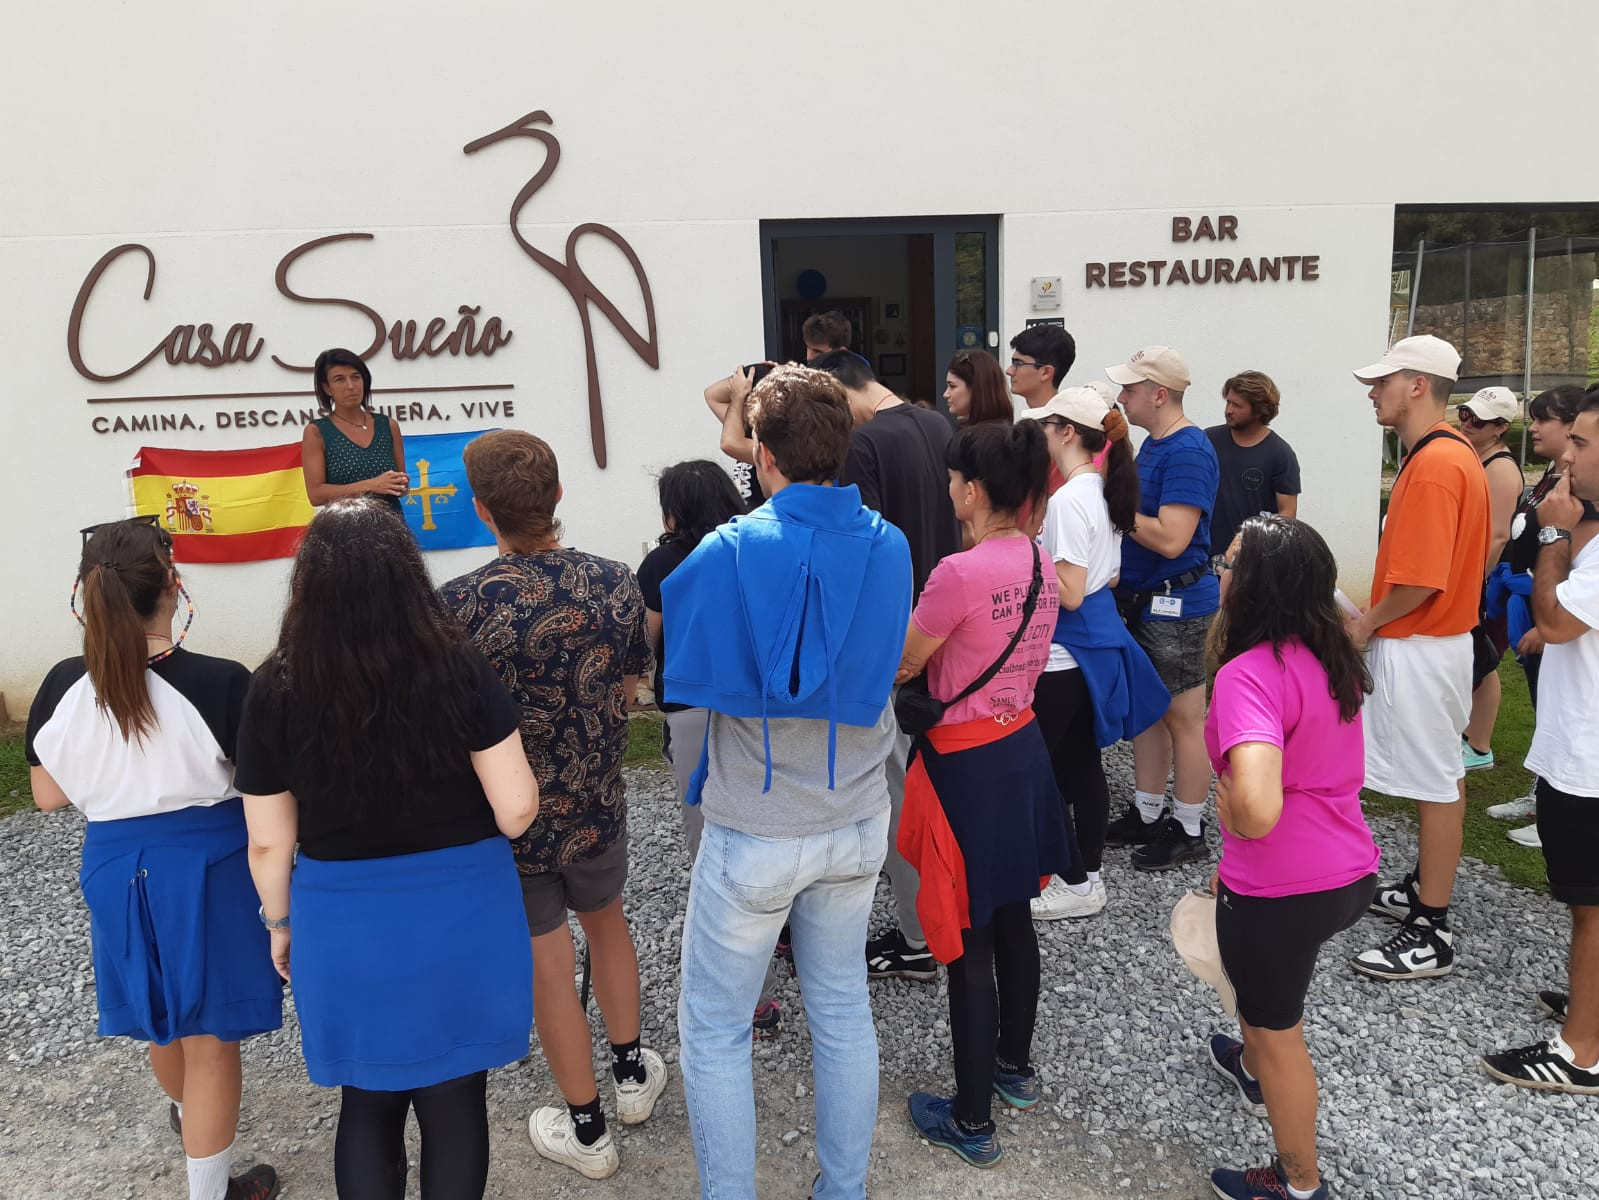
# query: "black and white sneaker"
{"type": "Point", "coordinates": [1172, 847]}
{"type": "Point", "coordinates": [891, 957]}
{"type": "Point", "coordinates": [1130, 829]}
{"type": "Point", "coordinates": [1554, 1003]}
{"type": "Point", "coordinates": [1549, 1066]}
{"type": "Point", "coordinates": [1420, 950]}
{"type": "Point", "coordinates": [1395, 900]}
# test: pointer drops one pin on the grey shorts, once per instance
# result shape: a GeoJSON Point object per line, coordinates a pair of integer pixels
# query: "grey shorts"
{"type": "Point", "coordinates": [582, 887]}
{"type": "Point", "coordinates": [1177, 649]}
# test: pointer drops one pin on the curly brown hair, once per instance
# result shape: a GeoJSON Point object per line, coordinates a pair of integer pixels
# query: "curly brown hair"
{"type": "Point", "coordinates": [1256, 389]}
{"type": "Point", "coordinates": [515, 476]}
{"type": "Point", "coordinates": [802, 416]}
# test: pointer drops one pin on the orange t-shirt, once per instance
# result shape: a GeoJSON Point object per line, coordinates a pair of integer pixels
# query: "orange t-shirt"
{"type": "Point", "coordinates": [1436, 536]}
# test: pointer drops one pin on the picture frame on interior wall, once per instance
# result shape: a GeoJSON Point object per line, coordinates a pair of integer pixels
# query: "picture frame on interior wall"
{"type": "Point", "coordinates": [890, 364]}
{"type": "Point", "coordinates": [892, 310]}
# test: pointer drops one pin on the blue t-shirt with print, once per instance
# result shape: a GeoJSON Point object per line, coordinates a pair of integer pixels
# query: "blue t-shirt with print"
{"type": "Point", "coordinates": [1179, 468]}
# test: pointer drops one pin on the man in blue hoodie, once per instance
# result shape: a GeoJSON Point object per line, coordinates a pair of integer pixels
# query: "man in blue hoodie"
{"type": "Point", "coordinates": [788, 625]}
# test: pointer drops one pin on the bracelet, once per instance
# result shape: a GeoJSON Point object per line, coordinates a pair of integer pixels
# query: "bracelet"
{"type": "Point", "coordinates": [268, 922]}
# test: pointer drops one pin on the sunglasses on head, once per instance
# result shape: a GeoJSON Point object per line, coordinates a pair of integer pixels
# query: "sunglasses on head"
{"type": "Point", "coordinates": [150, 519]}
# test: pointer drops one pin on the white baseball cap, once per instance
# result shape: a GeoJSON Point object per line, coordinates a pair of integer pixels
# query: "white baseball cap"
{"type": "Point", "coordinates": [1193, 934]}
{"type": "Point", "coordinates": [1494, 404]}
{"type": "Point", "coordinates": [1157, 364]}
{"type": "Point", "coordinates": [1424, 353]}
{"type": "Point", "coordinates": [1081, 404]}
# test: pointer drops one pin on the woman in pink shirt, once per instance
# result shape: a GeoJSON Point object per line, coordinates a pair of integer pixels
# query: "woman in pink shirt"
{"type": "Point", "coordinates": [1298, 863]}
{"type": "Point", "coordinates": [982, 820]}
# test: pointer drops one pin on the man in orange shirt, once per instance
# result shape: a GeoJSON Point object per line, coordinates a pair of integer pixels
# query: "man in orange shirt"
{"type": "Point", "coordinates": [1417, 635]}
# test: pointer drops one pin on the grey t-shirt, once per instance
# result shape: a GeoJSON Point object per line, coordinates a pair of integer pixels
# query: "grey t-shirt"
{"type": "Point", "coordinates": [799, 802]}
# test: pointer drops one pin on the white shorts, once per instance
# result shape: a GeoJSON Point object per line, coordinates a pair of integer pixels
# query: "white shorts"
{"type": "Point", "coordinates": [1419, 705]}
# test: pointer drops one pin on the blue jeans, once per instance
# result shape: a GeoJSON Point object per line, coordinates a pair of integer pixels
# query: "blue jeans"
{"type": "Point", "coordinates": [743, 889]}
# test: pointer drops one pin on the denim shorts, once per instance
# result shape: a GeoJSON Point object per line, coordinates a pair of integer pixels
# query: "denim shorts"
{"type": "Point", "coordinates": [1177, 650]}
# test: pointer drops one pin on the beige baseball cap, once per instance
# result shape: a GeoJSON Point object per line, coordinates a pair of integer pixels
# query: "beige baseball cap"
{"type": "Point", "coordinates": [1193, 933]}
{"type": "Point", "coordinates": [1424, 353]}
{"type": "Point", "coordinates": [1494, 404]}
{"type": "Point", "coordinates": [1157, 364]}
{"type": "Point", "coordinates": [1081, 404]}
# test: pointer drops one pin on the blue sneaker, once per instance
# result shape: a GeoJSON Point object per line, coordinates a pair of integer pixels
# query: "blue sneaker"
{"type": "Point", "coordinates": [1227, 1054]}
{"type": "Point", "coordinates": [1018, 1089]}
{"type": "Point", "coordinates": [1473, 761]}
{"type": "Point", "coordinates": [934, 1118]}
{"type": "Point", "coordinates": [1258, 1183]}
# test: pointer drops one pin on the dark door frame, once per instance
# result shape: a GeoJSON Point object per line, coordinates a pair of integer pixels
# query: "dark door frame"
{"type": "Point", "coordinates": [943, 231]}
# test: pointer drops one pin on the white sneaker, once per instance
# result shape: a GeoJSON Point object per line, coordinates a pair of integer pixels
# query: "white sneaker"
{"type": "Point", "coordinates": [1059, 901]}
{"type": "Point", "coordinates": [1527, 835]}
{"type": "Point", "coordinates": [554, 1136]}
{"type": "Point", "coordinates": [1518, 809]}
{"type": "Point", "coordinates": [636, 1101]}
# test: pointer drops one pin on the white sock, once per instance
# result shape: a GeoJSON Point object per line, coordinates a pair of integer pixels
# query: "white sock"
{"type": "Point", "coordinates": [1302, 1193]}
{"type": "Point", "coordinates": [1559, 1045]}
{"type": "Point", "coordinates": [1188, 816]}
{"type": "Point", "coordinates": [1080, 889]}
{"type": "Point", "coordinates": [913, 944]}
{"type": "Point", "coordinates": [1150, 805]}
{"type": "Point", "coordinates": [1093, 877]}
{"type": "Point", "coordinates": [208, 1177]}
{"type": "Point", "coordinates": [179, 1105]}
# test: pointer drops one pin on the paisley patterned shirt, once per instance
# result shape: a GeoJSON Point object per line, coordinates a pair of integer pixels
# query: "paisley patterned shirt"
{"type": "Point", "coordinates": [561, 628]}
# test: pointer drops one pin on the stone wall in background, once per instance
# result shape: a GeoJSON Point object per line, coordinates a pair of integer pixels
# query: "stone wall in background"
{"type": "Point", "coordinates": [1493, 332]}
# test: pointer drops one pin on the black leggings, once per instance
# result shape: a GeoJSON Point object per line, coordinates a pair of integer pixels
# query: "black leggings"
{"type": "Point", "coordinates": [369, 1151]}
{"type": "Point", "coordinates": [1065, 713]}
{"type": "Point", "coordinates": [985, 1022]}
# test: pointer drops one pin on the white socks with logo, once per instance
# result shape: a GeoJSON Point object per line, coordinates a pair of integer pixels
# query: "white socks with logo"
{"type": "Point", "coordinates": [208, 1177]}
{"type": "Point", "coordinates": [1188, 816]}
{"type": "Point", "coordinates": [1150, 805]}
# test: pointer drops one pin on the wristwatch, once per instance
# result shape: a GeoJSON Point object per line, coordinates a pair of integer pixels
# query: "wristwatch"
{"type": "Point", "coordinates": [1549, 535]}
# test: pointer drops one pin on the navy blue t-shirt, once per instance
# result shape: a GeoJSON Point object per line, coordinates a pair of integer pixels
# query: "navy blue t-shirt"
{"type": "Point", "coordinates": [1179, 468]}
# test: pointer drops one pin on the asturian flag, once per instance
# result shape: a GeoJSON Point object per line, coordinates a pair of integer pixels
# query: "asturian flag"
{"type": "Point", "coordinates": [224, 506]}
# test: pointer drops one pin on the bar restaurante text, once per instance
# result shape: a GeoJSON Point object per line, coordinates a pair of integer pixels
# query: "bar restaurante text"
{"type": "Point", "coordinates": [1158, 272]}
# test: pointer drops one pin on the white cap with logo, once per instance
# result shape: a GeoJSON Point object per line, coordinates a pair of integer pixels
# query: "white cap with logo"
{"type": "Point", "coordinates": [1494, 404]}
{"type": "Point", "coordinates": [1081, 404]}
{"type": "Point", "coordinates": [1423, 353]}
{"type": "Point", "coordinates": [1156, 364]}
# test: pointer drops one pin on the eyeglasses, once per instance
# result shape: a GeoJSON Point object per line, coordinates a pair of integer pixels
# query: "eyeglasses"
{"type": "Point", "coordinates": [1019, 363]}
{"type": "Point", "coordinates": [150, 519]}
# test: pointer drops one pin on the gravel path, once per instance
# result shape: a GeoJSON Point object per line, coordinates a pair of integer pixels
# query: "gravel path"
{"type": "Point", "coordinates": [1132, 1106]}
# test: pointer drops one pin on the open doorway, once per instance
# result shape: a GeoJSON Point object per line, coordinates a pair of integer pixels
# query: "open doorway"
{"type": "Point", "coordinates": [914, 290]}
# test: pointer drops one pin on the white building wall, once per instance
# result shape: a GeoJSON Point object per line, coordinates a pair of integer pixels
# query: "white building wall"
{"type": "Point", "coordinates": [221, 137]}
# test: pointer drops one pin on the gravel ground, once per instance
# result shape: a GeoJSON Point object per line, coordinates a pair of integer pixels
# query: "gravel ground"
{"type": "Point", "coordinates": [1132, 1106]}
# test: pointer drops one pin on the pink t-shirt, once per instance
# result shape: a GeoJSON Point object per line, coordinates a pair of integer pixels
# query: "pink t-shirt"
{"type": "Point", "coordinates": [1321, 841]}
{"type": "Point", "coordinates": [974, 600]}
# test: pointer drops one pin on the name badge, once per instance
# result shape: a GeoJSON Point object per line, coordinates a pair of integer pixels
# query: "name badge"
{"type": "Point", "coordinates": [1166, 606]}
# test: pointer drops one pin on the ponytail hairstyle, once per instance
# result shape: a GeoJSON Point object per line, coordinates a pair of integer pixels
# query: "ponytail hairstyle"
{"type": "Point", "coordinates": [1010, 461]}
{"type": "Point", "coordinates": [1121, 473]}
{"type": "Point", "coordinates": [125, 568]}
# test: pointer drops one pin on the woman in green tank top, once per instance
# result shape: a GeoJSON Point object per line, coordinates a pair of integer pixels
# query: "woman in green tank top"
{"type": "Point", "coordinates": [351, 451]}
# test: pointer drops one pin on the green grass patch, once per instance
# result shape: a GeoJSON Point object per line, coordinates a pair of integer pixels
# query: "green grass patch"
{"type": "Point", "coordinates": [644, 731]}
{"type": "Point", "coordinates": [15, 792]}
{"type": "Point", "coordinates": [1505, 780]}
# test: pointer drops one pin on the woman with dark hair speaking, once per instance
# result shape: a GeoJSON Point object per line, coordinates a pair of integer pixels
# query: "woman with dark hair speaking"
{"type": "Point", "coordinates": [139, 736]}
{"type": "Point", "coordinates": [975, 389]}
{"type": "Point", "coordinates": [352, 451]}
{"type": "Point", "coordinates": [1298, 863]}
{"type": "Point", "coordinates": [381, 742]}
{"type": "Point", "coordinates": [981, 629]}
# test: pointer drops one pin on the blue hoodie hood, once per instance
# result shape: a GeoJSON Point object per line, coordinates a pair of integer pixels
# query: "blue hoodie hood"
{"type": "Point", "coordinates": [797, 610]}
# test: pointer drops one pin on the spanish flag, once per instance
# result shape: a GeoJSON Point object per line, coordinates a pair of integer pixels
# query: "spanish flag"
{"type": "Point", "coordinates": [223, 506]}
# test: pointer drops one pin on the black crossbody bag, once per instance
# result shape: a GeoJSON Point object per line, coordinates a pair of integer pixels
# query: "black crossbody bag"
{"type": "Point", "coordinates": [917, 710]}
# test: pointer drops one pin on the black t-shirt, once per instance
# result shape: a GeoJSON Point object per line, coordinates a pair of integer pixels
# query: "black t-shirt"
{"type": "Point", "coordinates": [747, 483]}
{"type": "Point", "coordinates": [1521, 551]}
{"type": "Point", "coordinates": [1251, 479]}
{"type": "Point", "coordinates": [447, 812]}
{"type": "Point", "coordinates": [657, 565]}
{"type": "Point", "coordinates": [897, 461]}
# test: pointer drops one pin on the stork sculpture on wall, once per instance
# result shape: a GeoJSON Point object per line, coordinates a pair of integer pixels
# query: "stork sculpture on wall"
{"type": "Point", "coordinates": [572, 276]}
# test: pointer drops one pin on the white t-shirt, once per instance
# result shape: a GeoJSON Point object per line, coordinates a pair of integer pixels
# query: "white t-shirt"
{"type": "Point", "coordinates": [1077, 530]}
{"type": "Point", "coordinates": [1564, 751]}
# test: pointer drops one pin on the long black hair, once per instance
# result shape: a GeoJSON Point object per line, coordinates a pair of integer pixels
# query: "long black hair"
{"type": "Point", "coordinates": [1281, 589]}
{"type": "Point", "coordinates": [698, 496]}
{"type": "Point", "coordinates": [371, 681]}
{"type": "Point", "coordinates": [1010, 461]}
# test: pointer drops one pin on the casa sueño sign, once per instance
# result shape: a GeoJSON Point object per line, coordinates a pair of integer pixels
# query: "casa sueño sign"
{"type": "Point", "coordinates": [1192, 271]}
